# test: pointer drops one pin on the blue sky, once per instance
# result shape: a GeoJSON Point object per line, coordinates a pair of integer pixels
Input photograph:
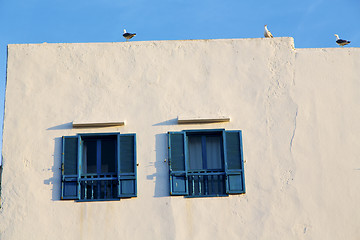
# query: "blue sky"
{"type": "Point", "coordinates": [312, 23]}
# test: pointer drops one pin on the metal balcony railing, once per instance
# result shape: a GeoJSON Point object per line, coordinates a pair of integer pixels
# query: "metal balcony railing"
{"type": "Point", "coordinates": [206, 183]}
{"type": "Point", "coordinates": [99, 187]}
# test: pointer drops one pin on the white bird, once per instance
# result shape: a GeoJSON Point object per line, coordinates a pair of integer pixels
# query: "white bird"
{"type": "Point", "coordinates": [127, 35]}
{"type": "Point", "coordinates": [267, 33]}
{"type": "Point", "coordinates": [341, 42]}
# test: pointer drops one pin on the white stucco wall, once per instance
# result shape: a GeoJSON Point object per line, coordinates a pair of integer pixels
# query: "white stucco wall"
{"type": "Point", "coordinates": [298, 110]}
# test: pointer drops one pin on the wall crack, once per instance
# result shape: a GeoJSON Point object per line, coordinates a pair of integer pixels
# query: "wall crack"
{"type": "Point", "coordinates": [294, 130]}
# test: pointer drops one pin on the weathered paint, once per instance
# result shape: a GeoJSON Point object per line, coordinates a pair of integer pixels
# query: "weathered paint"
{"type": "Point", "coordinates": [298, 109]}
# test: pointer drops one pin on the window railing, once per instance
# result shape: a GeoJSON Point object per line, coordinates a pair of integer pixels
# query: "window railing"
{"type": "Point", "coordinates": [206, 183]}
{"type": "Point", "coordinates": [97, 187]}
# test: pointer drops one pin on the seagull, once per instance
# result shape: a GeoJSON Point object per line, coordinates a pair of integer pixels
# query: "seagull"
{"type": "Point", "coordinates": [127, 35]}
{"type": "Point", "coordinates": [341, 42]}
{"type": "Point", "coordinates": [267, 33]}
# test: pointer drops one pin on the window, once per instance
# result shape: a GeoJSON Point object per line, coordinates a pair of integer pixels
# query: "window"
{"type": "Point", "coordinates": [206, 163]}
{"type": "Point", "coordinates": [98, 166]}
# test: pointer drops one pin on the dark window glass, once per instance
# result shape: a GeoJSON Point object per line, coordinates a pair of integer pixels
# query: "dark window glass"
{"type": "Point", "coordinates": [108, 155]}
{"type": "Point", "coordinates": [89, 156]}
{"type": "Point", "coordinates": [213, 152]}
{"type": "Point", "coordinates": [195, 153]}
{"type": "Point", "coordinates": [99, 155]}
{"type": "Point", "coordinates": [205, 152]}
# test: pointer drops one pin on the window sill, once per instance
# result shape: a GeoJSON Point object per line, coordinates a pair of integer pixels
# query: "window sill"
{"type": "Point", "coordinates": [202, 120]}
{"type": "Point", "coordinates": [97, 125]}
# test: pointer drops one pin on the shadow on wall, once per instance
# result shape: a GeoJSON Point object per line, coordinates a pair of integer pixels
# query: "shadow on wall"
{"type": "Point", "coordinates": [167, 122]}
{"type": "Point", "coordinates": [161, 176]}
{"type": "Point", "coordinates": [62, 126]}
{"type": "Point", "coordinates": [0, 184]}
{"type": "Point", "coordinates": [55, 180]}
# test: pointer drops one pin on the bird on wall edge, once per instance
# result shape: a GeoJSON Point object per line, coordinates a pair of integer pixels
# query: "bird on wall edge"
{"type": "Point", "coordinates": [127, 35]}
{"type": "Point", "coordinates": [267, 33]}
{"type": "Point", "coordinates": [341, 42]}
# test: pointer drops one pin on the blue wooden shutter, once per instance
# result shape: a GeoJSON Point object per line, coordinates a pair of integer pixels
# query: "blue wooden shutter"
{"type": "Point", "coordinates": [127, 165]}
{"type": "Point", "coordinates": [234, 166]}
{"type": "Point", "coordinates": [177, 162]}
{"type": "Point", "coordinates": [69, 169]}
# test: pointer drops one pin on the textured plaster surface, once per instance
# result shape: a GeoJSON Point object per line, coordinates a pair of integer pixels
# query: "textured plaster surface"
{"type": "Point", "coordinates": [298, 110]}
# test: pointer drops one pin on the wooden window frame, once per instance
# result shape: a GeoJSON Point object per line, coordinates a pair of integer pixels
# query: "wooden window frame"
{"type": "Point", "coordinates": [179, 178]}
{"type": "Point", "coordinates": [94, 187]}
